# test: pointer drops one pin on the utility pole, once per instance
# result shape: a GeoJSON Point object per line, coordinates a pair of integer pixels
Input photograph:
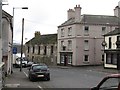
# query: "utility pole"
{"type": "Point", "coordinates": [22, 44]}
{"type": "Point", "coordinates": [1, 44]}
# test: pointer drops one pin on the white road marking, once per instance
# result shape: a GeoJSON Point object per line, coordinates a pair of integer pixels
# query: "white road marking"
{"type": "Point", "coordinates": [25, 74]}
{"type": "Point", "coordinates": [40, 87]}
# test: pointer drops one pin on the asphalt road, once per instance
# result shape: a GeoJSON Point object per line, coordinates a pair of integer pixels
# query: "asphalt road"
{"type": "Point", "coordinates": [67, 78]}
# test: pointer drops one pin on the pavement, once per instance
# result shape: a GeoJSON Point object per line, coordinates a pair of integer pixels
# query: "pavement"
{"type": "Point", "coordinates": [15, 79]}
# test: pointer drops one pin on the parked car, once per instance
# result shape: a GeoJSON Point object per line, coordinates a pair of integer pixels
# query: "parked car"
{"type": "Point", "coordinates": [110, 82]}
{"type": "Point", "coordinates": [18, 62]}
{"type": "Point", "coordinates": [39, 71]}
{"type": "Point", "coordinates": [29, 64]}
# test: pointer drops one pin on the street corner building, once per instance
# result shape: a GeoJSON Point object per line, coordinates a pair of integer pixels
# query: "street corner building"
{"type": "Point", "coordinates": [80, 37]}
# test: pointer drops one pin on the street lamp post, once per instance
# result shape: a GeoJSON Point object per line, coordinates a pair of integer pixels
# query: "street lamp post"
{"type": "Point", "coordinates": [22, 34]}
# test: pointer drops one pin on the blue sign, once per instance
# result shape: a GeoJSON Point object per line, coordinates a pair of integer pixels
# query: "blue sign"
{"type": "Point", "coordinates": [14, 50]}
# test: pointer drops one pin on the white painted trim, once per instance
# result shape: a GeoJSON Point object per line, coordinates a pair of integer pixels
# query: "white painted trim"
{"type": "Point", "coordinates": [1, 64]}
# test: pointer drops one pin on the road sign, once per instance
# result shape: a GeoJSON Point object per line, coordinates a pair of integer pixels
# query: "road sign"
{"type": "Point", "coordinates": [14, 50]}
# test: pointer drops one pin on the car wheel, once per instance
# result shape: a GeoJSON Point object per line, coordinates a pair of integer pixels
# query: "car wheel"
{"type": "Point", "coordinates": [47, 78]}
{"type": "Point", "coordinates": [30, 78]}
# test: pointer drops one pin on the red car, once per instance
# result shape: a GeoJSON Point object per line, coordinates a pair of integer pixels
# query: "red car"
{"type": "Point", "coordinates": [110, 82]}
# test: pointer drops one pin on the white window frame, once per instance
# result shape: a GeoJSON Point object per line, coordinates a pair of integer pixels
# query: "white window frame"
{"type": "Point", "coordinates": [86, 44]}
{"type": "Point", "coordinates": [103, 30]}
{"type": "Point", "coordinates": [84, 58]}
{"type": "Point", "coordinates": [62, 32]}
{"type": "Point", "coordinates": [69, 45]}
{"type": "Point", "coordinates": [69, 59]}
{"type": "Point", "coordinates": [86, 31]}
{"type": "Point", "coordinates": [70, 31]}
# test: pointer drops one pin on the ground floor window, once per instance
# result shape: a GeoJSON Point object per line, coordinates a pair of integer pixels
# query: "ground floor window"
{"type": "Point", "coordinates": [102, 57]}
{"type": "Point", "coordinates": [86, 58]}
{"type": "Point", "coordinates": [66, 58]}
{"type": "Point", "coordinates": [62, 59]}
{"type": "Point", "coordinates": [111, 58]}
{"type": "Point", "coordinates": [69, 59]}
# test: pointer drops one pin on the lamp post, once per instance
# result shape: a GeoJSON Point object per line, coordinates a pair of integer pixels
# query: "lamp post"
{"type": "Point", "coordinates": [22, 34]}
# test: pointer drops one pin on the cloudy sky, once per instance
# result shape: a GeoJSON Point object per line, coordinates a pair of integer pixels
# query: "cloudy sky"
{"type": "Point", "coordinates": [46, 15]}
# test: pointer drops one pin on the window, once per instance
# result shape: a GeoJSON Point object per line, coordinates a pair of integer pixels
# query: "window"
{"type": "Point", "coordinates": [102, 57]}
{"type": "Point", "coordinates": [86, 45]}
{"type": "Point", "coordinates": [63, 47]}
{"type": "Point", "coordinates": [69, 45]}
{"type": "Point", "coordinates": [103, 30]}
{"type": "Point", "coordinates": [28, 49]}
{"type": "Point", "coordinates": [33, 49]}
{"type": "Point", "coordinates": [51, 50]}
{"type": "Point", "coordinates": [69, 31]}
{"type": "Point", "coordinates": [86, 57]}
{"type": "Point", "coordinates": [69, 59]}
{"type": "Point", "coordinates": [118, 38]}
{"type": "Point", "coordinates": [62, 59]}
{"type": "Point", "coordinates": [108, 58]}
{"type": "Point", "coordinates": [110, 43]}
{"type": "Point", "coordinates": [118, 42]}
{"type": "Point", "coordinates": [114, 59]}
{"type": "Point", "coordinates": [62, 32]}
{"type": "Point", "coordinates": [38, 49]}
{"type": "Point", "coordinates": [86, 30]}
{"type": "Point", "coordinates": [45, 50]}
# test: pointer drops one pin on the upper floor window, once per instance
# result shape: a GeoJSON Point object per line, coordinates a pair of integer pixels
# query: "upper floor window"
{"type": "Point", "coordinates": [86, 45]}
{"type": "Point", "coordinates": [69, 31]}
{"type": "Point", "coordinates": [33, 49]}
{"type": "Point", "coordinates": [103, 30]}
{"type": "Point", "coordinates": [118, 42]}
{"type": "Point", "coordinates": [28, 49]}
{"type": "Point", "coordinates": [62, 32]}
{"type": "Point", "coordinates": [45, 50]}
{"type": "Point", "coordinates": [86, 30]}
{"type": "Point", "coordinates": [110, 43]}
{"type": "Point", "coordinates": [51, 50]}
{"type": "Point", "coordinates": [63, 47]}
{"type": "Point", "coordinates": [118, 38]}
{"type": "Point", "coordinates": [38, 49]}
{"type": "Point", "coordinates": [69, 45]}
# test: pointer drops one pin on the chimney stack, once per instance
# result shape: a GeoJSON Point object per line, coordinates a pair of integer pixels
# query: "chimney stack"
{"type": "Point", "coordinates": [71, 13]}
{"type": "Point", "coordinates": [37, 33]}
{"type": "Point", "coordinates": [77, 13]}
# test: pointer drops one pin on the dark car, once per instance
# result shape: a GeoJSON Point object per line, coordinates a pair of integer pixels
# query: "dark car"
{"type": "Point", "coordinates": [110, 82]}
{"type": "Point", "coordinates": [37, 71]}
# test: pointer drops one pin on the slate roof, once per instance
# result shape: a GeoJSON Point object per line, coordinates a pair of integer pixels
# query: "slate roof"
{"type": "Point", "coordinates": [43, 39]}
{"type": "Point", "coordinates": [114, 32]}
{"type": "Point", "coordinates": [93, 19]}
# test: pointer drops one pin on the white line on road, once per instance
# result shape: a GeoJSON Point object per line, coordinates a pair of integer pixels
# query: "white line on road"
{"type": "Point", "coordinates": [40, 87]}
{"type": "Point", "coordinates": [25, 74]}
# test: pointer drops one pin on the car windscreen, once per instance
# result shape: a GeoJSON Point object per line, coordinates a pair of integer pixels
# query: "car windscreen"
{"type": "Point", "coordinates": [39, 67]}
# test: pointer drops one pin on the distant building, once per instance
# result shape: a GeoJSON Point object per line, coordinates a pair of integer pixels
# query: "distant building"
{"type": "Point", "coordinates": [42, 48]}
{"type": "Point", "coordinates": [80, 37]}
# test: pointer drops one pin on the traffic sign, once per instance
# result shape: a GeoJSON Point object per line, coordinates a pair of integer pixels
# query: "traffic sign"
{"type": "Point", "coordinates": [14, 50]}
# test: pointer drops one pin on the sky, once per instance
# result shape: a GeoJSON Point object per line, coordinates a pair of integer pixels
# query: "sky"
{"type": "Point", "coordinates": [46, 15]}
